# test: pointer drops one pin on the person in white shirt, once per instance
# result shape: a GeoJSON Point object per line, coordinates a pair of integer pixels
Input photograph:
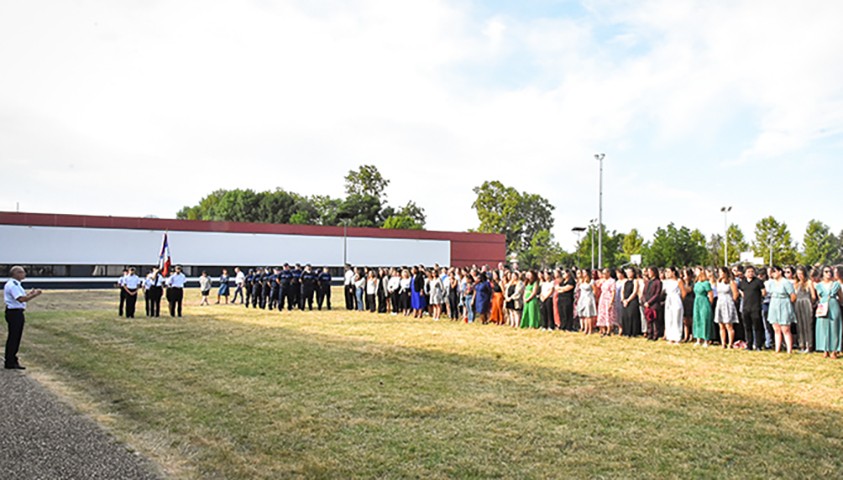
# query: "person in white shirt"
{"type": "Point", "coordinates": [204, 287]}
{"type": "Point", "coordinates": [348, 287]}
{"type": "Point", "coordinates": [131, 284]}
{"type": "Point", "coordinates": [156, 291]}
{"type": "Point", "coordinates": [119, 285]}
{"type": "Point", "coordinates": [175, 291]}
{"type": "Point", "coordinates": [239, 280]}
{"type": "Point", "coordinates": [371, 290]}
{"type": "Point", "coordinates": [392, 288]}
{"type": "Point", "coordinates": [16, 298]}
{"type": "Point", "coordinates": [148, 284]}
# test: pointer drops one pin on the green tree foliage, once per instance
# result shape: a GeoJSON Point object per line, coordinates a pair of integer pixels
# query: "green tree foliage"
{"type": "Point", "coordinates": [366, 181]}
{"type": "Point", "coordinates": [633, 244]}
{"type": "Point", "coordinates": [770, 232]}
{"type": "Point", "coordinates": [737, 243]}
{"type": "Point", "coordinates": [673, 246]}
{"type": "Point", "coordinates": [517, 215]}
{"type": "Point", "coordinates": [543, 253]}
{"type": "Point", "coordinates": [364, 205]}
{"type": "Point", "coordinates": [613, 254]}
{"type": "Point", "coordinates": [403, 222]}
{"type": "Point", "coordinates": [820, 246]}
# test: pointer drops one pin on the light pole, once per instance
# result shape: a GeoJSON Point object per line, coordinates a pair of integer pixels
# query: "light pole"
{"type": "Point", "coordinates": [578, 231]}
{"type": "Point", "coordinates": [345, 242]}
{"type": "Point", "coordinates": [726, 211]}
{"type": "Point", "coordinates": [770, 239]}
{"type": "Point", "coordinates": [599, 157]}
{"type": "Point", "coordinates": [591, 227]}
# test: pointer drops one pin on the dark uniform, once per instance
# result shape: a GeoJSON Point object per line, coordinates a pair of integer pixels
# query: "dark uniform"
{"type": "Point", "coordinates": [267, 288]}
{"type": "Point", "coordinates": [257, 290]}
{"type": "Point", "coordinates": [272, 286]}
{"type": "Point", "coordinates": [155, 292]}
{"type": "Point", "coordinates": [247, 286]}
{"type": "Point", "coordinates": [308, 287]}
{"type": "Point", "coordinates": [295, 287]}
{"type": "Point", "coordinates": [323, 291]}
{"type": "Point", "coordinates": [285, 278]}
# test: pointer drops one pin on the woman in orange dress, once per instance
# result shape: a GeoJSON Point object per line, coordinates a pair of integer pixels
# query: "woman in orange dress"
{"type": "Point", "coordinates": [496, 315]}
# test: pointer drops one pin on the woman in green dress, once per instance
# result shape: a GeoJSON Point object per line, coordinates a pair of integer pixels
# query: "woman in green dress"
{"type": "Point", "coordinates": [781, 315]}
{"type": "Point", "coordinates": [829, 325]}
{"type": "Point", "coordinates": [530, 315]}
{"type": "Point", "coordinates": [703, 323]}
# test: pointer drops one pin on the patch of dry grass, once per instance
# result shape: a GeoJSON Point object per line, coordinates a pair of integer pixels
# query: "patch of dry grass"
{"type": "Point", "coordinates": [228, 392]}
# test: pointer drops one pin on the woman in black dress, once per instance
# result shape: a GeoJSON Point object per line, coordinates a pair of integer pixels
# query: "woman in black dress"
{"type": "Point", "coordinates": [631, 321]}
{"type": "Point", "coordinates": [688, 277]}
{"type": "Point", "coordinates": [565, 301]}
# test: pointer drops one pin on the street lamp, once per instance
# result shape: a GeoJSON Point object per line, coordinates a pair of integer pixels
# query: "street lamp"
{"type": "Point", "coordinates": [726, 211]}
{"type": "Point", "coordinates": [599, 157]}
{"type": "Point", "coordinates": [578, 231]}
{"type": "Point", "coordinates": [591, 224]}
{"type": "Point", "coordinates": [770, 239]}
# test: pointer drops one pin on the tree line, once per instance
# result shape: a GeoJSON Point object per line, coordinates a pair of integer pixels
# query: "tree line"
{"type": "Point", "coordinates": [364, 205]}
{"type": "Point", "coordinates": [527, 219]}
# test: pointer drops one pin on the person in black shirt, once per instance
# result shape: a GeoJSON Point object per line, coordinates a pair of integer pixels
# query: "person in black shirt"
{"type": "Point", "coordinates": [323, 292]}
{"type": "Point", "coordinates": [295, 286]}
{"type": "Point", "coordinates": [308, 287]}
{"type": "Point", "coordinates": [284, 294]}
{"type": "Point", "coordinates": [247, 286]}
{"type": "Point", "coordinates": [753, 292]}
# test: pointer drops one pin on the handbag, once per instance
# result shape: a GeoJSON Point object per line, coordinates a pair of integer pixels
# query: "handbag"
{"type": "Point", "coordinates": [822, 310]}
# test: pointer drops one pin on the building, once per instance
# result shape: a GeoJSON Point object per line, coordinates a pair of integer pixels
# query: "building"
{"type": "Point", "coordinates": [77, 251]}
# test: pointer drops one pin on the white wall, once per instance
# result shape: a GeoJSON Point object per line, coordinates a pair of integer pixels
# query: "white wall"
{"type": "Point", "coordinates": [105, 246]}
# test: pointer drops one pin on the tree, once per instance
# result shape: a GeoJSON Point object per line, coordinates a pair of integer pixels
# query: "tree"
{"type": "Point", "coordinates": [403, 222]}
{"type": "Point", "coordinates": [543, 253]}
{"type": "Point", "coordinates": [633, 244]}
{"type": "Point", "coordinates": [715, 250]}
{"type": "Point", "coordinates": [770, 233]}
{"type": "Point", "coordinates": [737, 243]}
{"type": "Point", "coordinates": [613, 255]}
{"type": "Point", "coordinates": [361, 211]}
{"type": "Point", "coordinates": [519, 216]}
{"type": "Point", "coordinates": [820, 246]}
{"type": "Point", "coordinates": [673, 246]}
{"type": "Point", "coordinates": [366, 180]}
{"type": "Point", "coordinates": [410, 210]}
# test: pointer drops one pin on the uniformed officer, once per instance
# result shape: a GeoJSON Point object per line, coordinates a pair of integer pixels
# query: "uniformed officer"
{"type": "Point", "coordinates": [239, 281]}
{"type": "Point", "coordinates": [156, 291]}
{"type": "Point", "coordinates": [348, 287]}
{"type": "Point", "coordinates": [131, 284]}
{"type": "Point", "coordinates": [247, 285]}
{"type": "Point", "coordinates": [257, 289]}
{"type": "Point", "coordinates": [175, 291]}
{"type": "Point", "coordinates": [308, 287]}
{"type": "Point", "coordinates": [268, 281]}
{"type": "Point", "coordinates": [16, 298]}
{"type": "Point", "coordinates": [295, 285]}
{"type": "Point", "coordinates": [147, 294]}
{"type": "Point", "coordinates": [122, 292]}
{"type": "Point", "coordinates": [323, 291]}
{"type": "Point", "coordinates": [285, 278]}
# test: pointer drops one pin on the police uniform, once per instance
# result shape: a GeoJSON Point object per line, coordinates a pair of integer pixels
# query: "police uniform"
{"type": "Point", "coordinates": [285, 278]}
{"type": "Point", "coordinates": [257, 290]}
{"type": "Point", "coordinates": [147, 294]}
{"type": "Point", "coordinates": [269, 290]}
{"type": "Point", "coordinates": [157, 291]}
{"type": "Point", "coordinates": [308, 286]}
{"type": "Point", "coordinates": [348, 289]}
{"type": "Point", "coordinates": [247, 287]}
{"type": "Point", "coordinates": [323, 291]}
{"type": "Point", "coordinates": [295, 286]}
{"type": "Point", "coordinates": [175, 293]}
{"type": "Point", "coordinates": [131, 283]}
{"type": "Point", "coordinates": [15, 319]}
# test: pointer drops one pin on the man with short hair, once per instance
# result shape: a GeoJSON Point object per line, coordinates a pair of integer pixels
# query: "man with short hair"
{"type": "Point", "coordinates": [239, 281]}
{"type": "Point", "coordinates": [323, 292]}
{"type": "Point", "coordinates": [119, 284]}
{"type": "Point", "coordinates": [16, 298]}
{"type": "Point", "coordinates": [175, 291]}
{"type": "Point", "coordinates": [348, 287]}
{"type": "Point", "coordinates": [131, 284]}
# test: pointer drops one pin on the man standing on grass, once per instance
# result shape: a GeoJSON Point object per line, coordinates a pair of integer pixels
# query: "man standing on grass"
{"type": "Point", "coordinates": [120, 282]}
{"type": "Point", "coordinates": [239, 280]}
{"type": "Point", "coordinates": [16, 298]}
{"type": "Point", "coordinates": [348, 287]}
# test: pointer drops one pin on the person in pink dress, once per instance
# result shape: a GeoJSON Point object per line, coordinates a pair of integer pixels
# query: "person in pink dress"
{"type": "Point", "coordinates": [606, 305]}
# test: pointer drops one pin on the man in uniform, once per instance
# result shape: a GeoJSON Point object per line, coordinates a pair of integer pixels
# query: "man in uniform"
{"type": "Point", "coordinates": [308, 285]}
{"type": "Point", "coordinates": [175, 291]}
{"type": "Point", "coordinates": [156, 291]}
{"type": "Point", "coordinates": [324, 289]}
{"type": "Point", "coordinates": [239, 280]}
{"type": "Point", "coordinates": [273, 288]}
{"type": "Point", "coordinates": [131, 284]}
{"type": "Point", "coordinates": [247, 285]}
{"type": "Point", "coordinates": [16, 298]}
{"type": "Point", "coordinates": [257, 289]}
{"type": "Point", "coordinates": [295, 285]}
{"type": "Point", "coordinates": [122, 292]}
{"type": "Point", "coordinates": [285, 278]}
{"type": "Point", "coordinates": [348, 287]}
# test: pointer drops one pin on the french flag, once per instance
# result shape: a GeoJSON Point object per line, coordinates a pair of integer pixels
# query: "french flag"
{"type": "Point", "coordinates": [164, 260]}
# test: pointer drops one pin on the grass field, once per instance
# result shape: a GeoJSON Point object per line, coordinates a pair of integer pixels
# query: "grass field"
{"type": "Point", "coordinates": [233, 393]}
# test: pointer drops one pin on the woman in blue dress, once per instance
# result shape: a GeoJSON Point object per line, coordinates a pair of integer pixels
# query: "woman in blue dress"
{"type": "Point", "coordinates": [482, 298]}
{"type": "Point", "coordinates": [418, 301]}
{"type": "Point", "coordinates": [828, 327]}
{"type": "Point", "coordinates": [223, 291]}
{"type": "Point", "coordinates": [781, 315]}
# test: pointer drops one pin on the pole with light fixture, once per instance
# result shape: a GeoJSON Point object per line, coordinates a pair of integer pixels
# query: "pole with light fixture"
{"type": "Point", "coordinates": [599, 157]}
{"type": "Point", "coordinates": [726, 211]}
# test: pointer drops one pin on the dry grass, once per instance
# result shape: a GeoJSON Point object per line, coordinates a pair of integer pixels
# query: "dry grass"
{"type": "Point", "coordinates": [233, 393]}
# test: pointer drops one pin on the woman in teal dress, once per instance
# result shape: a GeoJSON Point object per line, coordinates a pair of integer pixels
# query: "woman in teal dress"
{"type": "Point", "coordinates": [530, 315]}
{"type": "Point", "coordinates": [703, 324]}
{"type": "Point", "coordinates": [828, 326]}
{"type": "Point", "coordinates": [781, 314]}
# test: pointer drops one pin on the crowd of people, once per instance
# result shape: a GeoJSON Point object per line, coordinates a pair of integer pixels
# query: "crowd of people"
{"type": "Point", "coordinates": [771, 308]}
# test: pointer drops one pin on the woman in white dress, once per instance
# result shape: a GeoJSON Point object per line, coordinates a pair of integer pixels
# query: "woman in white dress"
{"type": "Point", "coordinates": [674, 310]}
{"type": "Point", "coordinates": [725, 313]}
{"type": "Point", "coordinates": [436, 294]}
{"type": "Point", "coordinates": [587, 304]}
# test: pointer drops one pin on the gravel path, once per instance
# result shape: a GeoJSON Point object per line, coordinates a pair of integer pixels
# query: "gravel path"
{"type": "Point", "coordinates": [43, 438]}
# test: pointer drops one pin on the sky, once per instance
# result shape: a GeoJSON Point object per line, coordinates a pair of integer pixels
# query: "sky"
{"type": "Point", "coordinates": [139, 108]}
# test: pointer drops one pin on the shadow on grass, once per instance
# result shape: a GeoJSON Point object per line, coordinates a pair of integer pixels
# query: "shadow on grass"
{"type": "Point", "coordinates": [271, 403]}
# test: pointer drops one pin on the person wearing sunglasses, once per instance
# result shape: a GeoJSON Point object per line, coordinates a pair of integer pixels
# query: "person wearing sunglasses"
{"type": "Point", "coordinates": [828, 325]}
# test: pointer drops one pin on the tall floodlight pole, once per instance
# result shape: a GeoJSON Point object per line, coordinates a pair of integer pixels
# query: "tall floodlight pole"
{"type": "Point", "coordinates": [599, 157]}
{"type": "Point", "coordinates": [770, 243]}
{"type": "Point", "coordinates": [345, 242]}
{"type": "Point", "coordinates": [578, 231]}
{"type": "Point", "coordinates": [591, 224]}
{"type": "Point", "coordinates": [726, 211]}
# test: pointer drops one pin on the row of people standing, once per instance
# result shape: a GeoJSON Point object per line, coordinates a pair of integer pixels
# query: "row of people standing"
{"type": "Point", "coordinates": [294, 286]}
{"type": "Point", "coordinates": [153, 287]}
